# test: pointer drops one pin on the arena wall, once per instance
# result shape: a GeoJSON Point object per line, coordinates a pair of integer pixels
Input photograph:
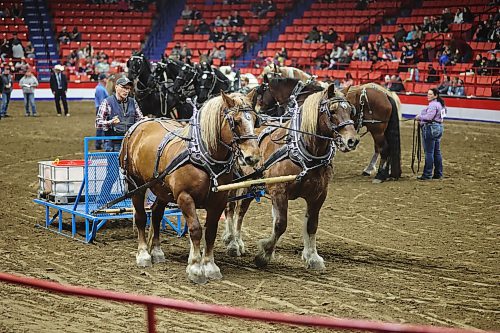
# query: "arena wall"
{"type": "Point", "coordinates": [469, 109]}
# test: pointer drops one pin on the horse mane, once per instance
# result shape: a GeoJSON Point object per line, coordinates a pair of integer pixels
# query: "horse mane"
{"type": "Point", "coordinates": [211, 120]}
{"type": "Point", "coordinates": [310, 112]}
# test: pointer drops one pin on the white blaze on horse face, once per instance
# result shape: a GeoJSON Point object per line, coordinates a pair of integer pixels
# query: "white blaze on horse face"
{"type": "Point", "coordinates": [249, 148]}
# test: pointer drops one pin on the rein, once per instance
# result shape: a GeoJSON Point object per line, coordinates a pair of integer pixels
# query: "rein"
{"type": "Point", "coordinates": [416, 152]}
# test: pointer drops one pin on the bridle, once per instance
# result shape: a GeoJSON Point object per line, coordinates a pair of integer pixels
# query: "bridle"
{"type": "Point", "coordinates": [181, 79]}
{"type": "Point", "coordinates": [325, 108]}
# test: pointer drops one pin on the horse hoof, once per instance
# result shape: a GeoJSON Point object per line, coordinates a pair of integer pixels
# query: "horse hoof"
{"type": "Point", "coordinates": [143, 259]}
{"type": "Point", "coordinates": [261, 261]}
{"type": "Point", "coordinates": [212, 271]}
{"type": "Point", "coordinates": [196, 274]}
{"type": "Point", "coordinates": [315, 263]}
{"type": "Point", "coordinates": [377, 181]}
{"type": "Point", "coordinates": [233, 250]}
{"type": "Point", "coordinates": [157, 256]}
{"type": "Point", "coordinates": [366, 174]}
{"type": "Point", "coordinates": [227, 239]}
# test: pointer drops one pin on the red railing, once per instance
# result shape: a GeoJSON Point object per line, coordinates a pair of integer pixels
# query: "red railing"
{"type": "Point", "coordinates": [152, 302]}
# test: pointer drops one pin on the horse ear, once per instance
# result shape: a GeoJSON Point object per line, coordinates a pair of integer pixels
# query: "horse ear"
{"type": "Point", "coordinates": [330, 91]}
{"type": "Point", "coordinates": [251, 94]}
{"type": "Point", "coordinates": [227, 99]}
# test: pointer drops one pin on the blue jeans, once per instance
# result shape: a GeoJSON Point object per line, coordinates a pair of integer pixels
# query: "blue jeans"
{"type": "Point", "coordinates": [5, 103]}
{"type": "Point", "coordinates": [29, 98]}
{"type": "Point", "coordinates": [112, 172]}
{"type": "Point", "coordinates": [431, 136]}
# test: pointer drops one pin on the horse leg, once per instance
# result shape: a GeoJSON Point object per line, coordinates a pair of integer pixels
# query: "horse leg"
{"type": "Point", "coordinates": [241, 212]}
{"type": "Point", "coordinates": [157, 212]}
{"type": "Point", "coordinates": [371, 166]}
{"type": "Point", "coordinates": [383, 168]}
{"type": "Point", "coordinates": [194, 268]}
{"type": "Point", "coordinates": [212, 271]}
{"type": "Point", "coordinates": [266, 246]}
{"type": "Point", "coordinates": [235, 212]}
{"type": "Point", "coordinates": [229, 213]}
{"type": "Point", "coordinates": [310, 253]}
{"type": "Point", "coordinates": [143, 258]}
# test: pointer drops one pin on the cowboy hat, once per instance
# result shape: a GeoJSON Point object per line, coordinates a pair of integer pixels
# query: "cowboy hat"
{"type": "Point", "coordinates": [59, 67]}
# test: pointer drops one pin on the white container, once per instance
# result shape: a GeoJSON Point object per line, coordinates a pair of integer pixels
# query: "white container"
{"type": "Point", "coordinates": [60, 178]}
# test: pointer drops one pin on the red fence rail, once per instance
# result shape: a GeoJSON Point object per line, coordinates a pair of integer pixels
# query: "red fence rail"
{"type": "Point", "coordinates": [153, 302]}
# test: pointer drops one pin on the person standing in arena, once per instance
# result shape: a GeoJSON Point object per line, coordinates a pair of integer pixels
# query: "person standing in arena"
{"type": "Point", "coordinates": [28, 83]}
{"type": "Point", "coordinates": [431, 121]}
{"type": "Point", "coordinates": [6, 83]}
{"type": "Point", "coordinates": [100, 95]}
{"type": "Point", "coordinates": [116, 114]}
{"type": "Point", "coordinates": [59, 87]}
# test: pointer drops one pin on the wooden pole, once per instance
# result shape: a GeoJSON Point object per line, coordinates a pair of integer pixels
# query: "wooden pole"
{"type": "Point", "coordinates": [247, 183]}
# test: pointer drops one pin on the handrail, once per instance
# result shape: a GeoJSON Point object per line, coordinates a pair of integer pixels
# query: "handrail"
{"type": "Point", "coordinates": [152, 302]}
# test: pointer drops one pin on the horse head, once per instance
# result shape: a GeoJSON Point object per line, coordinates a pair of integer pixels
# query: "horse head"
{"type": "Point", "coordinates": [185, 78]}
{"type": "Point", "coordinates": [206, 82]}
{"type": "Point", "coordinates": [238, 126]}
{"type": "Point", "coordinates": [136, 64]}
{"type": "Point", "coordinates": [334, 118]}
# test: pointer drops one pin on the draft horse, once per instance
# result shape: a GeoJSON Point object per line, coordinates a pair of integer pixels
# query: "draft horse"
{"type": "Point", "coordinates": [379, 110]}
{"type": "Point", "coordinates": [273, 70]}
{"type": "Point", "coordinates": [181, 165]}
{"type": "Point", "coordinates": [305, 147]}
{"type": "Point", "coordinates": [147, 91]}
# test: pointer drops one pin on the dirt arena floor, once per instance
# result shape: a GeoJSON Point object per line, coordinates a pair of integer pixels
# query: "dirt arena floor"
{"type": "Point", "coordinates": [405, 251]}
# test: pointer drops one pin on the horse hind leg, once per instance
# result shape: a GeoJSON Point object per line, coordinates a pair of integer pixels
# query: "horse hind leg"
{"type": "Point", "coordinates": [194, 269]}
{"type": "Point", "coordinates": [235, 212]}
{"type": "Point", "coordinates": [143, 258]}
{"type": "Point", "coordinates": [158, 209]}
{"type": "Point", "coordinates": [310, 254]}
{"type": "Point", "coordinates": [266, 246]}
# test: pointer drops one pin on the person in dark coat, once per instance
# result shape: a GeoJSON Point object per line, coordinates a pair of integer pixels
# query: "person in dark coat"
{"type": "Point", "coordinates": [59, 87]}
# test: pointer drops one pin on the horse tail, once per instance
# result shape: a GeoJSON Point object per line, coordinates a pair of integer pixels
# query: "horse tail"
{"type": "Point", "coordinates": [393, 137]}
{"type": "Point", "coordinates": [398, 103]}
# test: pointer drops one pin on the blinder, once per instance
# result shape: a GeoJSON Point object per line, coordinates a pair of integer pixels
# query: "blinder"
{"type": "Point", "coordinates": [324, 108]}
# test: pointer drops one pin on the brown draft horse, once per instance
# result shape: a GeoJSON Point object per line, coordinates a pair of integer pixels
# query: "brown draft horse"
{"type": "Point", "coordinates": [376, 108]}
{"type": "Point", "coordinates": [327, 115]}
{"type": "Point", "coordinates": [379, 110]}
{"type": "Point", "coordinates": [224, 129]}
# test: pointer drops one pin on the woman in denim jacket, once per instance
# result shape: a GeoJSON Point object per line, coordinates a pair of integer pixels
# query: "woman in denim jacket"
{"type": "Point", "coordinates": [431, 121]}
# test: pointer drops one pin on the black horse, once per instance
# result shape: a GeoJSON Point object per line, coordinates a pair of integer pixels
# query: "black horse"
{"type": "Point", "coordinates": [146, 89]}
{"type": "Point", "coordinates": [210, 82]}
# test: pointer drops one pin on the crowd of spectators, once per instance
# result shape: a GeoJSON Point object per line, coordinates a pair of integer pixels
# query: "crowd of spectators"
{"type": "Point", "coordinates": [126, 5]}
{"type": "Point", "coordinates": [15, 11]}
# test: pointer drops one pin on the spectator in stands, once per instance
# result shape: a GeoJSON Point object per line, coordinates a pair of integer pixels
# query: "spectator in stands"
{"type": "Point", "coordinates": [494, 34]}
{"type": "Point", "coordinates": [478, 63]}
{"type": "Point", "coordinates": [400, 35]}
{"type": "Point", "coordinates": [465, 50]}
{"type": "Point", "coordinates": [361, 4]}
{"type": "Point", "coordinates": [467, 15]}
{"type": "Point", "coordinates": [196, 15]}
{"type": "Point", "coordinates": [218, 21]}
{"type": "Point", "coordinates": [224, 34]}
{"type": "Point", "coordinates": [313, 36]}
{"type": "Point", "coordinates": [444, 85]}
{"type": "Point", "coordinates": [28, 84]}
{"type": "Point", "coordinates": [447, 17]}
{"type": "Point", "coordinates": [426, 25]}
{"type": "Point", "coordinates": [444, 57]}
{"type": "Point", "coordinates": [233, 35]}
{"type": "Point", "coordinates": [186, 53]}
{"type": "Point", "coordinates": [347, 81]}
{"type": "Point", "coordinates": [15, 40]}
{"type": "Point", "coordinates": [29, 51]}
{"type": "Point", "coordinates": [244, 37]}
{"type": "Point", "coordinates": [387, 81]}
{"type": "Point", "coordinates": [21, 66]}
{"type": "Point", "coordinates": [456, 57]}
{"type": "Point", "coordinates": [100, 95]}
{"type": "Point", "coordinates": [215, 35]}
{"type": "Point", "coordinates": [186, 13]}
{"type": "Point", "coordinates": [257, 8]}
{"type": "Point", "coordinates": [388, 55]}
{"type": "Point", "coordinates": [282, 55]}
{"type": "Point", "coordinates": [6, 86]}
{"type": "Point", "coordinates": [17, 51]}
{"type": "Point", "coordinates": [431, 121]}
{"type": "Point", "coordinates": [432, 76]}
{"type": "Point", "coordinates": [331, 36]}
{"type": "Point", "coordinates": [220, 53]}
{"type": "Point", "coordinates": [63, 36]}
{"type": "Point", "coordinates": [88, 51]}
{"type": "Point", "coordinates": [411, 34]}
{"type": "Point", "coordinates": [459, 16]}
{"type": "Point", "coordinates": [59, 87]}
{"type": "Point", "coordinates": [5, 49]}
{"type": "Point", "coordinates": [101, 66]}
{"type": "Point", "coordinates": [189, 28]}
{"type": "Point", "coordinates": [4, 12]}
{"type": "Point", "coordinates": [203, 28]}
{"type": "Point", "coordinates": [75, 35]}
{"type": "Point", "coordinates": [236, 19]}
{"type": "Point", "coordinates": [396, 84]}
{"type": "Point", "coordinates": [16, 11]}
{"type": "Point", "coordinates": [456, 88]}
{"type": "Point", "coordinates": [482, 30]}
{"type": "Point", "coordinates": [225, 22]}
{"type": "Point", "coordinates": [336, 52]}
{"type": "Point", "coordinates": [260, 60]}
{"type": "Point", "coordinates": [493, 64]}
{"type": "Point", "coordinates": [407, 55]}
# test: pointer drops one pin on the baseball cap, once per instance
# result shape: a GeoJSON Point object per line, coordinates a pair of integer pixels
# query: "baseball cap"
{"type": "Point", "coordinates": [102, 76]}
{"type": "Point", "coordinates": [123, 81]}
